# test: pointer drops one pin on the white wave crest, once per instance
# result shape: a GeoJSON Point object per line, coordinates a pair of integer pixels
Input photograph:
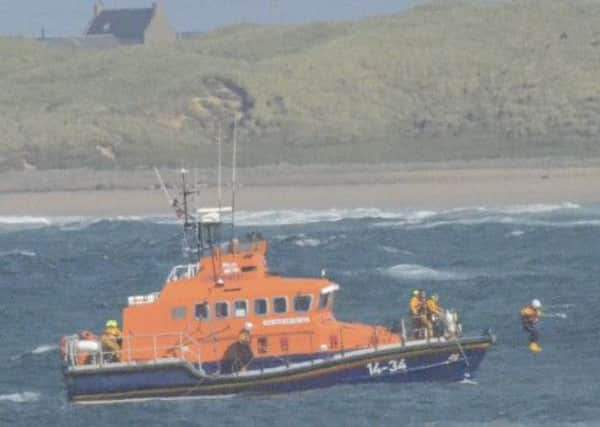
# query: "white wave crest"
{"type": "Point", "coordinates": [24, 397]}
{"type": "Point", "coordinates": [536, 208]}
{"type": "Point", "coordinates": [508, 220]}
{"type": "Point", "coordinates": [472, 215]}
{"type": "Point", "coordinates": [306, 216]}
{"type": "Point", "coordinates": [419, 272]}
{"type": "Point", "coordinates": [24, 220]}
{"type": "Point", "coordinates": [516, 233]}
{"type": "Point", "coordinates": [556, 315]}
{"type": "Point", "coordinates": [567, 305]}
{"type": "Point", "coordinates": [45, 348]}
{"type": "Point", "coordinates": [307, 242]}
{"type": "Point", "coordinates": [18, 252]}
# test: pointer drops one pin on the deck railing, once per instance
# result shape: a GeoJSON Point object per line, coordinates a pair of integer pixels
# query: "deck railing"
{"type": "Point", "coordinates": [158, 346]}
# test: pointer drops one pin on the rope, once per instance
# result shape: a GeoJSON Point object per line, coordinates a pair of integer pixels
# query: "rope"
{"type": "Point", "coordinates": [464, 355]}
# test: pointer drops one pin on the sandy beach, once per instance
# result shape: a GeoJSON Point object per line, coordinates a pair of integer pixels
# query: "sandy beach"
{"type": "Point", "coordinates": [362, 187]}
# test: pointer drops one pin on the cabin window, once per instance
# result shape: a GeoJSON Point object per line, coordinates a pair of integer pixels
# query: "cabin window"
{"type": "Point", "coordinates": [261, 306]}
{"type": "Point", "coordinates": [221, 309]}
{"type": "Point", "coordinates": [240, 308]}
{"type": "Point", "coordinates": [325, 300]}
{"type": "Point", "coordinates": [280, 304]}
{"type": "Point", "coordinates": [178, 313]}
{"type": "Point", "coordinates": [263, 345]}
{"type": "Point", "coordinates": [201, 311]}
{"type": "Point", "coordinates": [302, 303]}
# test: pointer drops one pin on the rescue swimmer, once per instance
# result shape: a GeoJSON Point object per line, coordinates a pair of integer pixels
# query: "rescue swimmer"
{"type": "Point", "coordinates": [530, 316]}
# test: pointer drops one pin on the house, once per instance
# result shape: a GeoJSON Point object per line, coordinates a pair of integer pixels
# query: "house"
{"type": "Point", "coordinates": [132, 26]}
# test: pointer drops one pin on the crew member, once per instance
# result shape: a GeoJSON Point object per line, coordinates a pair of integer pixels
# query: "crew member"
{"type": "Point", "coordinates": [530, 315]}
{"type": "Point", "coordinates": [426, 325]}
{"type": "Point", "coordinates": [239, 354]}
{"type": "Point", "coordinates": [111, 341]}
{"type": "Point", "coordinates": [414, 310]}
{"type": "Point", "coordinates": [434, 316]}
{"type": "Point", "coordinates": [414, 305]}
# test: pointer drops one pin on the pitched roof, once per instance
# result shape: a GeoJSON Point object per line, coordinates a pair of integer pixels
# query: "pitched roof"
{"type": "Point", "coordinates": [122, 23]}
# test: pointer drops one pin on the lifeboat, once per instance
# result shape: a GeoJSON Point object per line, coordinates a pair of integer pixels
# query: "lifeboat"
{"type": "Point", "coordinates": [226, 325]}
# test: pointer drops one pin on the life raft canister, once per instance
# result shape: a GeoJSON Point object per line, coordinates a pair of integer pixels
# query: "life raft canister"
{"type": "Point", "coordinates": [83, 357]}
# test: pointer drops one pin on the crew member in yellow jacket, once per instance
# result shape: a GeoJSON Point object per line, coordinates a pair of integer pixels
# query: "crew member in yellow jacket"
{"type": "Point", "coordinates": [111, 342]}
{"type": "Point", "coordinates": [434, 315]}
{"type": "Point", "coordinates": [530, 316]}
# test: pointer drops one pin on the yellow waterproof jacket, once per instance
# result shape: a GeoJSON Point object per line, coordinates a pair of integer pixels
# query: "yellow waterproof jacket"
{"type": "Point", "coordinates": [433, 307]}
{"type": "Point", "coordinates": [415, 306]}
{"type": "Point", "coordinates": [530, 314]}
{"type": "Point", "coordinates": [114, 332]}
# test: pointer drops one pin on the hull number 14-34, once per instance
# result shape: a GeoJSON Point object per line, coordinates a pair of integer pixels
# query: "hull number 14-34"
{"type": "Point", "coordinates": [389, 367]}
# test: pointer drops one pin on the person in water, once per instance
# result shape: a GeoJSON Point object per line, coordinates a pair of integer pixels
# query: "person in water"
{"type": "Point", "coordinates": [111, 340]}
{"type": "Point", "coordinates": [530, 316]}
{"type": "Point", "coordinates": [239, 354]}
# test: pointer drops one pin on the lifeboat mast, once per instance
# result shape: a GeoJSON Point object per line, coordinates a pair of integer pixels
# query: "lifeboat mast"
{"type": "Point", "coordinates": [205, 225]}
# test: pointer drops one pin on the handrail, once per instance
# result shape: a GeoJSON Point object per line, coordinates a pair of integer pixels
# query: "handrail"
{"type": "Point", "coordinates": [100, 357]}
{"type": "Point", "coordinates": [183, 271]}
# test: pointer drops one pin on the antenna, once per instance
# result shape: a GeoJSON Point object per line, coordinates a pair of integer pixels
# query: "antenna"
{"type": "Point", "coordinates": [219, 168]}
{"type": "Point", "coordinates": [185, 203]}
{"type": "Point", "coordinates": [172, 201]}
{"type": "Point", "coordinates": [233, 177]}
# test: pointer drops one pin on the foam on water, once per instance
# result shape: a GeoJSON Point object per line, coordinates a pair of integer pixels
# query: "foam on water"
{"type": "Point", "coordinates": [508, 220]}
{"type": "Point", "coordinates": [23, 397]}
{"type": "Point", "coordinates": [555, 315]}
{"type": "Point", "coordinates": [389, 249]}
{"type": "Point", "coordinates": [537, 208]}
{"type": "Point", "coordinates": [419, 272]}
{"type": "Point", "coordinates": [470, 215]}
{"type": "Point", "coordinates": [516, 233]}
{"type": "Point", "coordinates": [18, 252]}
{"type": "Point", "coordinates": [307, 242]}
{"type": "Point", "coordinates": [307, 216]}
{"type": "Point", "coordinates": [24, 220]}
{"type": "Point", "coordinates": [45, 348]}
{"type": "Point", "coordinates": [40, 349]}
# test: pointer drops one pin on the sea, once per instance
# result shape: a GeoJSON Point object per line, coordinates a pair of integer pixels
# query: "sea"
{"type": "Point", "coordinates": [62, 275]}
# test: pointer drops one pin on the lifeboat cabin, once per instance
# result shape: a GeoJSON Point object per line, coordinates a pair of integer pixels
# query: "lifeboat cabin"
{"type": "Point", "coordinates": [205, 308]}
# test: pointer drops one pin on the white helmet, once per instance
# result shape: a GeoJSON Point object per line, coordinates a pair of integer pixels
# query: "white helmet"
{"type": "Point", "coordinates": [536, 303]}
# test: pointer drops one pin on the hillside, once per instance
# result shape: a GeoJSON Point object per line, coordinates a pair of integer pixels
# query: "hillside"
{"type": "Point", "coordinates": [443, 81]}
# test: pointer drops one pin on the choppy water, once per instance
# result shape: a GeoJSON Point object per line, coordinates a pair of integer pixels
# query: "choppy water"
{"type": "Point", "coordinates": [61, 275]}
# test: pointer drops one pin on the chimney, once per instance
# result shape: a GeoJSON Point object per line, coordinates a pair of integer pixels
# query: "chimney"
{"type": "Point", "coordinates": [98, 7]}
{"type": "Point", "coordinates": [157, 4]}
